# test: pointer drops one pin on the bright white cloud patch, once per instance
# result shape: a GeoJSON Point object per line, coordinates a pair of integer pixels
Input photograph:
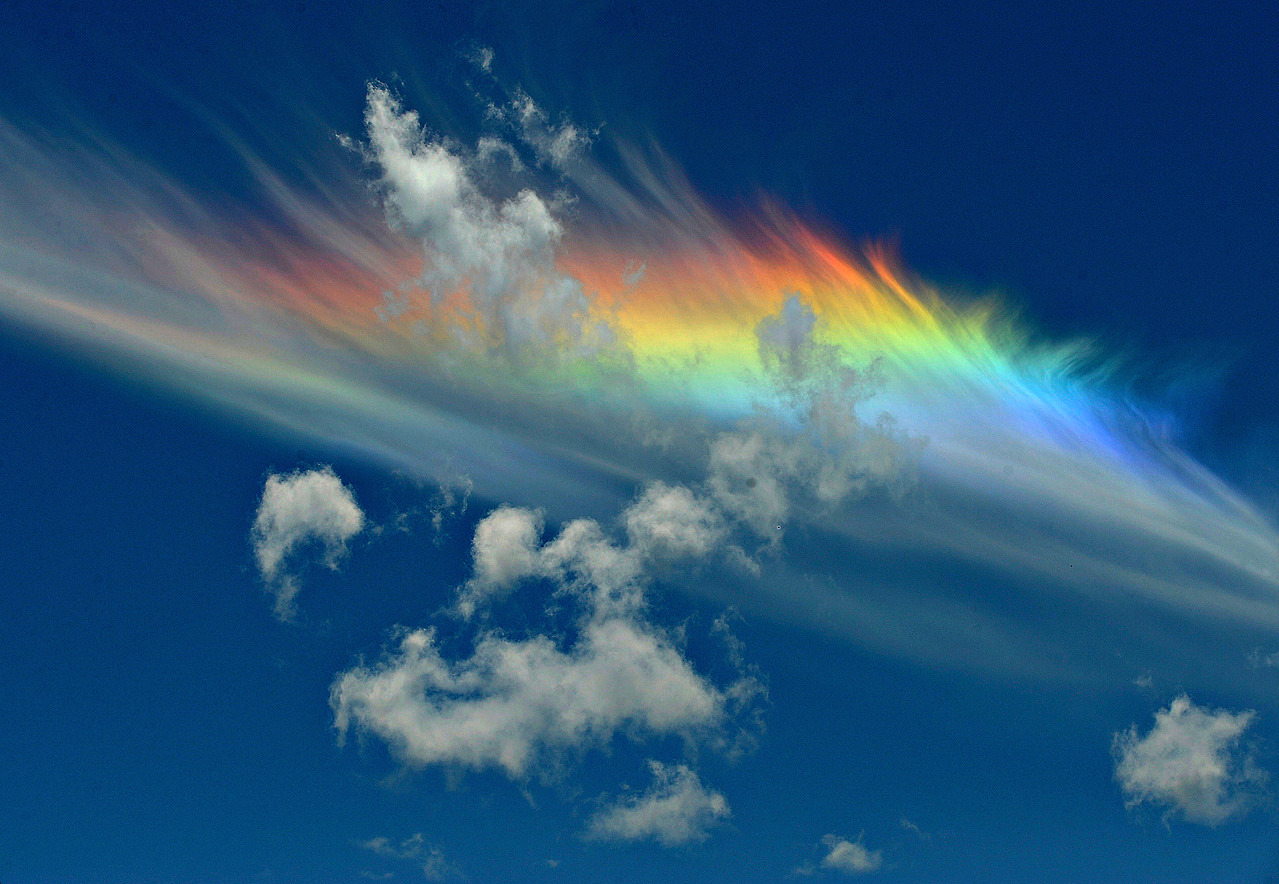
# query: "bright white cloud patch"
{"type": "Point", "coordinates": [298, 508]}
{"type": "Point", "coordinates": [1193, 762]}
{"type": "Point", "coordinates": [513, 702]}
{"type": "Point", "coordinates": [496, 251]}
{"type": "Point", "coordinates": [505, 551]}
{"type": "Point", "coordinates": [850, 857]}
{"type": "Point", "coordinates": [676, 809]}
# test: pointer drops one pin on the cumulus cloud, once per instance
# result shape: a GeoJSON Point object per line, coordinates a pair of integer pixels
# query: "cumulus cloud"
{"type": "Point", "coordinates": [850, 857]}
{"type": "Point", "coordinates": [512, 703]}
{"type": "Point", "coordinates": [490, 266]}
{"type": "Point", "coordinates": [676, 809]}
{"type": "Point", "coordinates": [295, 509]}
{"type": "Point", "coordinates": [516, 702]}
{"type": "Point", "coordinates": [665, 523]}
{"type": "Point", "coordinates": [505, 551]}
{"type": "Point", "coordinates": [1193, 762]}
{"type": "Point", "coordinates": [672, 521]}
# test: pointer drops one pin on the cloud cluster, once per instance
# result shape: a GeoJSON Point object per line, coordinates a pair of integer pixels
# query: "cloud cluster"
{"type": "Point", "coordinates": [808, 441]}
{"type": "Point", "coordinates": [490, 267]}
{"type": "Point", "coordinates": [513, 703]}
{"type": "Point", "coordinates": [297, 508]}
{"type": "Point", "coordinates": [676, 809]}
{"type": "Point", "coordinates": [1193, 762]}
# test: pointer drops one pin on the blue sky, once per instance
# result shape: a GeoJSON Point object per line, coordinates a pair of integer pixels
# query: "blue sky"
{"type": "Point", "coordinates": [1039, 649]}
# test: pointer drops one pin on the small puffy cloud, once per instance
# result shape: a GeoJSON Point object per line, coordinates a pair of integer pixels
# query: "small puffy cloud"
{"type": "Point", "coordinates": [676, 809]}
{"type": "Point", "coordinates": [505, 551]}
{"type": "Point", "coordinates": [850, 857]}
{"type": "Point", "coordinates": [671, 521]}
{"type": "Point", "coordinates": [295, 509]}
{"type": "Point", "coordinates": [666, 522]}
{"type": "Point", "coordinates": [1193, 762]}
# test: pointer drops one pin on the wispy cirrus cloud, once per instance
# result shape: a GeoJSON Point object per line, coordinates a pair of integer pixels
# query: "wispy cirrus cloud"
{"type": "Point", "coordinates": [497, 327]}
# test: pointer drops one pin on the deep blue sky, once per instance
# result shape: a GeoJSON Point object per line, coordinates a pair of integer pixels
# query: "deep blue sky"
{"type": "Point", "coordinates": [1110, 169]}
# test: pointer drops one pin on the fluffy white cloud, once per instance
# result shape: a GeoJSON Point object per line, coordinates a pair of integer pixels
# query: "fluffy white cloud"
{"type": "Point", "coordinates": [666, 522]}
{"type": "Point", "coordinates": [1193, 762]}
{"type": "Point", "coordinates": [850, 857]}
{"type": "Point", "coordinates": [670, 521]}
{"type": "Point", "coordinates": [511, 702]}
{"type": "Point", "coordinates": [676, 809]}
{"type": "Point", "coordinates": [505, 550]}
{"type": "Point", "coordinates": [297, 508]}
{"type": "Point", "coordinates": [497, 253]}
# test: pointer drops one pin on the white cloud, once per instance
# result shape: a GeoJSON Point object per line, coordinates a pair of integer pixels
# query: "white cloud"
{"type": "Point", "coordinates": [809, 442]}
{"type": "Point", "coordinates": [560, 145]}
{"type": "Point", "coordinates": [670, 521]}
{"type": "Point", "coordinates": [505, 551]}
{"type": "Point", "coordinates": [850, 857]}
{"type": "Point", "coordinates": [676, 809]}
{"type": "Point", "coordinates": [513, 703]}
{"type": "Point", "coordinates": [297, 508]}
{"type": "Point", "coordinates": [498, 253]}
{"type": "Point", "coordinates": [666, 522]}
{"type": "Point", "coordinates": [1193, 762]}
